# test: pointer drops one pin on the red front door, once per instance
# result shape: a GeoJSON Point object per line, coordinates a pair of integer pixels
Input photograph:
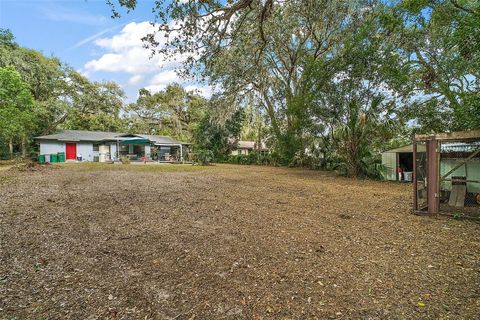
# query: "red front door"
{"type": "Point", "coordinates": [71, 151]}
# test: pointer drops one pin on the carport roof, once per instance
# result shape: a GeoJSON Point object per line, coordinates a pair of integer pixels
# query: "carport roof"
{"type": "Point", "coordinates": [97, 136]}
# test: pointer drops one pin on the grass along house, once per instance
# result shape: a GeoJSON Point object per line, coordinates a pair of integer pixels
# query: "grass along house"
{"type": "Point", "coordinates": [97, 146]}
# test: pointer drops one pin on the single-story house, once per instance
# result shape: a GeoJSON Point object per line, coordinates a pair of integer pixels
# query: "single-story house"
{"type": "Point", "coordinates": [245, 147]}
{"type": "Point", "coordinates": [97, 146]}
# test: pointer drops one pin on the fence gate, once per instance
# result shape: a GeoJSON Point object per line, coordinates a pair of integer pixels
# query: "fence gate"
{"type": "Point", "coordinates": [447, 174]}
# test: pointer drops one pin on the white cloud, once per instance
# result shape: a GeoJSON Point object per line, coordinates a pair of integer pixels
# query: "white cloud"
{"type": "Point", "coordinates": [130, 37]}
{"type": "Point", "coordinates": [133, 60]}
{"type": "Point", "coordinates": [124, 52]}
{"type": "Point", "coordinates": [165, 77]}
{"type": "Point", "coordinates": [137, 79]}
{"type": "Point", "coordinates": [205, 91]}
{"type": "Point", "coordinates": [154, 88]}
{"type": "Point", "coordinates": [93, 37]}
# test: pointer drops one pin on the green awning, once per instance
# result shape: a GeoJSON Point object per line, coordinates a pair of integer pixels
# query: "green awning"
{"type": "Point", "coordinates": [135, 141]}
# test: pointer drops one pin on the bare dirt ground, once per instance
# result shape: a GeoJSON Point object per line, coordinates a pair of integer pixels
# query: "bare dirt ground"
{"type": "Point", "coordinates": [227, 242]}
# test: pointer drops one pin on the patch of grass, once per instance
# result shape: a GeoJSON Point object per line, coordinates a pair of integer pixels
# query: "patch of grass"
{"type": "Point", "coordinates": [96, 166]}
{"type": "Point", "coordinates": [7, 162]}
{"type": "Point", "coordinates": [6, 179]}
{"type": "Point", "coordinates": [458, 215]}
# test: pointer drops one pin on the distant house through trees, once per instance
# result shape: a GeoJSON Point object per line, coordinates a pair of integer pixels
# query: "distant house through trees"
{"type": "Point", "coordinates": [246, 147]}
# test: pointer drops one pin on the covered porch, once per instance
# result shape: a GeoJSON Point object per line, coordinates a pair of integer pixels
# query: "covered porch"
{"type": "Point", "coordinates": [167, 153]}
{"type": "Point", "coordinates": [138, 148]}
{"type": "Point", "coordinates": [134, 148]}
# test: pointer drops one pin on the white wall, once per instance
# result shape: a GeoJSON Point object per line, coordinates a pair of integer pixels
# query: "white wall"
{"type": "Point", "coordinates": [113, 151]}
{"type": "Point", "coordinates": [86, 150]}
{"type": "Point", "coordinates": [147, 151]}
{"type": "Point", "coordinates": [389, 160]}
{"type": "Point", "coordinates": [239, 152]}
{"type": "Point", "coordinates": [51, 147]}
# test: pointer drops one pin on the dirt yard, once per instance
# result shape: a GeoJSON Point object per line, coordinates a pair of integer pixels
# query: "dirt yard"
{"type": "Point", "coordinates": [227, 242]}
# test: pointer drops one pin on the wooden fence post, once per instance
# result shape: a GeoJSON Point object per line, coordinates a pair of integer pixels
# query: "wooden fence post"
{"type": "Point", "coordinates": [415, 185]}
{"type": "Point", "coordinates": [432, 177]}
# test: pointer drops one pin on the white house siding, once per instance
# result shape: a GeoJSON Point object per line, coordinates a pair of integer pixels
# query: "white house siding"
{"type": "Point", "coordinates": [239, 152]}
{"type": "Point", "coordinates": [389, 160]}
{"type": "Point", "coordinates": [147, 151]}
{"type": "Point", "coordinates": [113, 151]}
{"type": "Point", "coordinates": [245, 152]}
{"type": "Point", "coordinates": [86, 150]}
{"type": "Point", "coordinates": [51, 147]}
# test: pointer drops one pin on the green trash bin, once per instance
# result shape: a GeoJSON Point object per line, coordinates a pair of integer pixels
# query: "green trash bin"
{"type": "Point", "coordinates": [53, 158]}
{"type": "Point", "coordinates": [61, 157]}
{"type": "Point", "coordinates": [41, 158]}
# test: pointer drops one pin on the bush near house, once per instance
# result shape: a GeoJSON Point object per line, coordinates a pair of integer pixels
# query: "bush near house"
{"type": "Point", "coordinates": [252, 158]}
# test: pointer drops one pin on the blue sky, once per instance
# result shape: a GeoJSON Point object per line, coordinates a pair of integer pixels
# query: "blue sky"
{"type": "Point", "coordinates": [83, 34]}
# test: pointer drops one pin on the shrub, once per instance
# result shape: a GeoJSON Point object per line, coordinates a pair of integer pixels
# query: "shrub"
{"type": "Point", "coordinates": [204, 157]}
{"type": "Point", "coordinates": [252, 158]}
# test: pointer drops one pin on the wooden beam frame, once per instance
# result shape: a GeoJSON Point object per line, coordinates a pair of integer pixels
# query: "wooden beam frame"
{"type": "Point", "coordinates": [459, 135]}
{"type": "Point", "coordinates": [415, 186]}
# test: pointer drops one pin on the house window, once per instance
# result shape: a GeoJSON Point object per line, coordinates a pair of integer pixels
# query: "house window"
{"type": "Point", "coordinates": [96, 146]}
{"type": "Point", "coordinates": [123, 150]}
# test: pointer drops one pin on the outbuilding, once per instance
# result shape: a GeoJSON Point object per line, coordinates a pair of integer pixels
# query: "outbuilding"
{"type": "Point", "coordinates": [396, 160]}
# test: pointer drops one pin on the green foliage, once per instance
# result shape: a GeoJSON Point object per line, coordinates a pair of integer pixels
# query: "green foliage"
{"type": "Point", "coordinates": [173, 112]}
{"type": "Point", "coordinates": [204, 157]}
{"type": "Point", "coordinates": [219, 139]}
{"type": "Point", "coordinates": [336, 81]}
{"type": "Point", "coordinates": [458, 215]}
{"type": "Point", "coordinates": [62, 98]}
{"type": "Point", "coordinates": [253, 157]}
{"type": "Point", "coordinates": [95, 106]}
{"type": "Point", "coordinates": [354, 140]}
{"type": "Point", "coordinates": [439, 42]}
{"type": "Point", "coordinates": [329, 84]}
{"type": "Point", "coordinates": [16, 107]}
{"type": "Point", "coordinates": [7, 39]}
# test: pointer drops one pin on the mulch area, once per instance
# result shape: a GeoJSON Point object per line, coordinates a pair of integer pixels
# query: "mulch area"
{"type": "Point", "coordinates": [235, 242]}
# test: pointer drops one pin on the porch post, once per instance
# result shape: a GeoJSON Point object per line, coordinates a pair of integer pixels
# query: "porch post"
{"type": "Point", "coordinates": [432, 176]}
{"type": "Point", "coordinates": [415, 186]}
{"type": "Point", "coordinates": [181, 153]}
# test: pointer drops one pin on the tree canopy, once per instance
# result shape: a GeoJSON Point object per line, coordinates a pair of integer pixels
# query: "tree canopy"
{"type": "Point", "coordinates": [329, 83]}
{"type": "Point", "coordinates": [16, 107]}
{"type": "Point", "coordinates": [332, 71]}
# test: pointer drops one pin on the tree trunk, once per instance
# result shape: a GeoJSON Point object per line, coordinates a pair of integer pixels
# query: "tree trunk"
{"type": "Point", "coordinates": [353, 170]}
{"type": "Point", "coordinates": [353, 163]}
{"type": "Point", "coordinates": [24, 147]}
{"type": "Point", "coordinates": [10, 148]}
